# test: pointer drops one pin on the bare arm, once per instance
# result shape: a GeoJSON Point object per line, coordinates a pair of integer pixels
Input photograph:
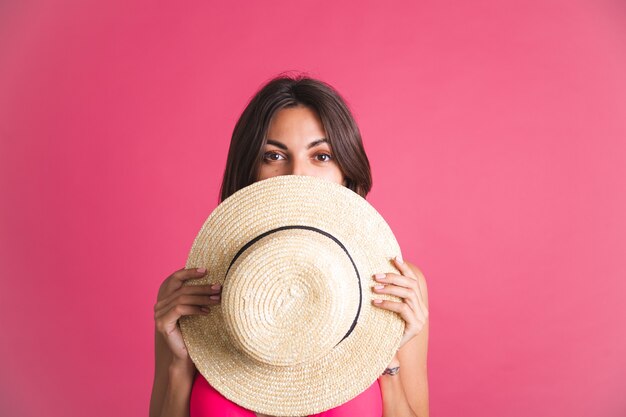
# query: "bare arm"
{"type": "Point", "coordinates": [406, 394]}
{"type": "Point", "coordinates": [178, 391]}
{"type": "Point", "coordinates": [413, 358]}
{"type": "Point", "coordinates": [174, 370]}
{"type": "Point", "coordinates": [162, 361]}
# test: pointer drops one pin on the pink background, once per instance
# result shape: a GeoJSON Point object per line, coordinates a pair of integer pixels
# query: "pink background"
{"type": "Point", "coordinates": [497, 136]}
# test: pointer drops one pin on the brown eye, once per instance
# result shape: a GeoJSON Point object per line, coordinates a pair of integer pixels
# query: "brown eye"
{"type": "Point", "coordinates": [272, 156]}
{"type": "Point", "coordinates": [323, 157]}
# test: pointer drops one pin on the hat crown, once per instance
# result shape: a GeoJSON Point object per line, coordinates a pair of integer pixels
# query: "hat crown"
{"type": "Point", "coordinates": [290, 297]}
{"type": "Point", "coordinates": [233, 365]}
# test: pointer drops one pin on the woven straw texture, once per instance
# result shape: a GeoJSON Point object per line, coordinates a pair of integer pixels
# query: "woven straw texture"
{"type": "Point", "coordinates": [277, 342]}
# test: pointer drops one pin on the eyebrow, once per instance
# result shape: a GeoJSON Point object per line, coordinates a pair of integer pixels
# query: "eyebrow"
{"type": "Point", "coordinates": [284, 147]}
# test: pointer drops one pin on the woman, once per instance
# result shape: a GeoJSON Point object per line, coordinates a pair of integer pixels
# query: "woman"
{"type": "Point", "coordinates": [300, 126]}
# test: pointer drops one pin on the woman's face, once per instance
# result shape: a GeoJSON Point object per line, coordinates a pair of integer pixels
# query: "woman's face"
{"type": "Point", "coordinates": [297, 145]}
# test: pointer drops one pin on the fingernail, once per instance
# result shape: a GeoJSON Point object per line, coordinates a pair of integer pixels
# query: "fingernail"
{"type": "Point", "coordinates": [377, 301]}
{"type": "Point", "coordinates": [214, 297]}
{"type": "Point", "coordinates": [216, 287]}
{"type": "Point", "coordinates": [399, 259]}
{"type": "Point", "coordinates": [201, 270]}
{"type": "Point", "coordinates": [379, 276]}
{"type": "Point", "coordinates": [379, 287]}
{"type": "Point", "coordinates": [204, 309]}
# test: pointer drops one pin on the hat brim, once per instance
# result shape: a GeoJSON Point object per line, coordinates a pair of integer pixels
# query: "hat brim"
{"type": "Point", "coordinates": [352, 365]}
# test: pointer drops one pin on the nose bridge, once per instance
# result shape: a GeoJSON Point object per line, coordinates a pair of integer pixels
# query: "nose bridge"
{"type": "Point", "coordinates": [299, 166]}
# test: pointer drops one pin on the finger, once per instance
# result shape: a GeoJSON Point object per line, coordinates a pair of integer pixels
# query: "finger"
{"type": "Point", "coordinates": [189, 299]}
{"type": "Point", "coordinates": [418, 305]}
{"type": "Point", "coordinates": [420, 300]}
{"type": "Point", "coordinates": [400, 280]}
{"type": "Point", "coordinates": [408, 295]}
{"type": "Point", "coordinates": [420, 280]}
{"type": "Point", "coordinates": [413, 322]}
{"type": "Point", "coordinates": [165, 313]}
{"type": "Point", "coordinates": [403, 267]}
{"type": "Point", "coordinates": [208, 289]}
{"type": "Point", "coordinates": [402, 309]}
{"type": "Point", "coordinates": [179, 277]}
{"type": "Point", "coordinates": [401, 292]}
{"type": "Point", "coordinates": [183, 309]}
{"type": "Point", "coordinates": [173, 314]}
{"type": "Point", "coordinates": [176, 280]}
{"type": "Point", "coordinates": [406, 270]}
{"type": "Point", "coordinates": [185, 274]}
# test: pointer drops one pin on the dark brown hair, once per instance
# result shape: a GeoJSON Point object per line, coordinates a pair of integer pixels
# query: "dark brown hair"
{"type": "Point", "coordinates": [249, 136]}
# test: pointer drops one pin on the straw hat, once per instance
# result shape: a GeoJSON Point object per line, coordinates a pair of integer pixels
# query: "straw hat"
{"type": "Point", "coordinates": [295, 332]}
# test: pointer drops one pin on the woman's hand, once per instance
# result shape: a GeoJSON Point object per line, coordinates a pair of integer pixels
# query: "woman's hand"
{"type": "Point", "coordinates": [412, 308]}
{"type": "Point", "coordinates": [175, 300]}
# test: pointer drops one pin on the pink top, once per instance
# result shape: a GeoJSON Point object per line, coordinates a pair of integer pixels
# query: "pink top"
{"type": "Point", "coordinates": [205, 401]}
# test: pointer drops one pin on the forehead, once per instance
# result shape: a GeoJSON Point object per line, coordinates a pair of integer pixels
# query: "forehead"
{"type": "Point", "coordinates": [299, 122]}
